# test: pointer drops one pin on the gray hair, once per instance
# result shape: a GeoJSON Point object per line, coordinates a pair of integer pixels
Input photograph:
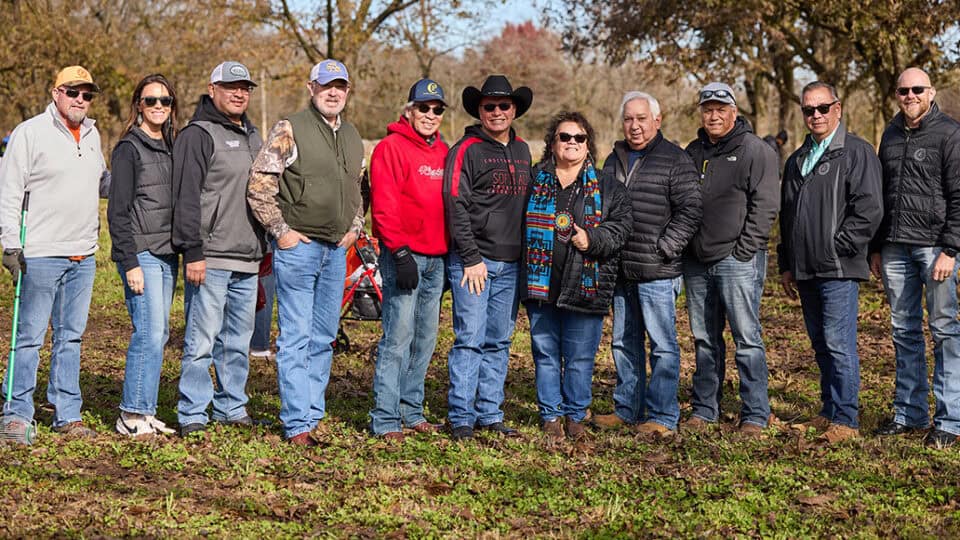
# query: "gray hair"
{"type": "Point", "coordinates": [820, 84]}
{"type": "Point", "coordinates": [632, 95]}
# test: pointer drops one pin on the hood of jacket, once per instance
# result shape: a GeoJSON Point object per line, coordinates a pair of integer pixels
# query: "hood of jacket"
{"type": "Point", "coordinates": [403, 128]}
{"type": "Point", "coordinates": [476, 130]}
{"type": "Point", "coordinates": [729, 141]}
{"type": "Point", "coordinates": [207, 112]}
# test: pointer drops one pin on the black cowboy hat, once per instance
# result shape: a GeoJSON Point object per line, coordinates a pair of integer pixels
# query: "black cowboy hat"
{"type": "Point", "coordinates": [496, 86]}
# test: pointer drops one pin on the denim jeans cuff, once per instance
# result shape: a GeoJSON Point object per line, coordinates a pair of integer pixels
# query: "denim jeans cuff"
{"type": "Point", "coordinates": [755, 423]}
{"type": "Point", "coordinates": [488, 422]}
{"type": "Point", "coordinates": [416, 422]}
{"type": "Point", "coordinates": [67, 421]}
{"type": "Point", "coordinates": [704, 418]}
{"type": "Point", "coordinates": [902, 420]}
{"type": "Point", "coordinates": [294, 432]}
{"type": "Point", "coordinates": [668, 425]}
{"type": "Point", "coordinates": [135, 410]}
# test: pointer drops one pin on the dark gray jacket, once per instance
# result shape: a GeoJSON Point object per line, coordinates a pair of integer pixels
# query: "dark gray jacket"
{"type": "Point", "coordinates": [828, 217]}
{"type": "Point", "coordinates": [739, 180]}
{"type": "Point", "coordinates": [664, 196]}
{"type": "Point", "coordinates": [921, 183]}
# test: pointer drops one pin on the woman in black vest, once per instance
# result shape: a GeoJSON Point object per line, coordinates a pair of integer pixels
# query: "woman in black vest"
{"type": "Point", "coordinates": [140, 212]}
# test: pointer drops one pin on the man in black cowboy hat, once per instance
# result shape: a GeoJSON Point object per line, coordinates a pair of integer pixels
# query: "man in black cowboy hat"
{"type": "Point", "coordinates": [484, 189]}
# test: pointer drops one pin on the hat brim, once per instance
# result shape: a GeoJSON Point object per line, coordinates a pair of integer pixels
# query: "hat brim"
{"type": "Point", "coordinates": [522, 99]}
{"type": "Point", "coordinates": [71, 84]}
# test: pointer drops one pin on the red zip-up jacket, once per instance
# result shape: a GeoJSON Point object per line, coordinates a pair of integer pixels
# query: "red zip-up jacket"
{"type": "Point", "coordinates": [406, 177]}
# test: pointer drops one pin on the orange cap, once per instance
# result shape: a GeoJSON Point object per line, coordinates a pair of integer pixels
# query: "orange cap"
{"type": "Point", "coordinates": [74, 76]}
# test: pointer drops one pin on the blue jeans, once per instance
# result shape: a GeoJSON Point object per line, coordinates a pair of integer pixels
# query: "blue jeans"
{"type": "Point", "coordinates": [410, 321]}
{"type": "Point", "coordinates": [57, 290]}
{"type": "Point", "coordinates": [564, 345]}
{"type": "Point", "coordinates": [723, 291]}
{"type": "Point", "coordinates": [219, 323]}
{"type": "Point", "coordinates": [637, 308]}
{"type": "Point", "coordinates": [150, 315]}
{"type": "Point", "coordinates": [830, 309]}
{"type": "Point", "coordinates": [309, 292]}
{"type": "Point", "coordinates": [907, 278]}
{"type": "Point", "coordinates": [264, 318]}
{"type": "Point", "coordinates": [483, 325]}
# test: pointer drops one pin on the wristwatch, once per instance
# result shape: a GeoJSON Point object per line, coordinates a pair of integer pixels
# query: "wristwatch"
{"type": "Point", "coordinates": [949, 252]}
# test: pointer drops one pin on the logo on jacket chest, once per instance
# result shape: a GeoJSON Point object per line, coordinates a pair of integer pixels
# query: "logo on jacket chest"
{"type": "Point", "coordinates": [823, 168]}
{"type": "Point", "coordinates": [430, 172]}
{"type": "Point", "coordinates": [234, 143]}
{"type": "Point", "coordinates": [920, 154]}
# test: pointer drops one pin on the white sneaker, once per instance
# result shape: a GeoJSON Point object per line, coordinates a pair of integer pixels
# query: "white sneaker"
{"type": "Point", "coordinates": [134, 425]}
{"type": "Point", "coordinates": [261, 353]}
{"type": "Point", "coordinates": [158, 426]}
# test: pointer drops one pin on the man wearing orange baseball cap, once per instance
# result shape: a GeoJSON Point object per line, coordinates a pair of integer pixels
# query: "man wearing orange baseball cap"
{"type": "Point", "coordinates": [56, 158]}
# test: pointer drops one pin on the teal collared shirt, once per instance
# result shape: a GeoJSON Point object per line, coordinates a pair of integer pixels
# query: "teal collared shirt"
{"type": "Point", "coordinates": [816, 151]}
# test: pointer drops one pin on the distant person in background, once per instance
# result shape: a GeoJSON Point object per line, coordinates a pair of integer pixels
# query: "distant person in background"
{"type": "Point", "coordinates": [3, 143]}
{"type": "Point", "coordinates": [406, 181]}
{"type": "Point", "coordinates": [140, 212]}
{"type": "Point", "coordinates": [777, 143]}
{"type": "Point", "coordinates": [575, 224]}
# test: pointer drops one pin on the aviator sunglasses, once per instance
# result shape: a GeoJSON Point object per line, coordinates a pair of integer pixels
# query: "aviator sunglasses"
{"type": "Point", "coordinates": [579, 137]}
{"type": "Point", "coordinates": [424, 109]}
{"type": "Point", "coordinates": [822, 109]}
{"type": "Point", "coordinates": [151, 101]}
{"type": "Point", "coordinates": [72, 93]}
{"type": "Point", "coordinates": [503, 106]}
{"type": "Point", "coordinates": [917, 90]}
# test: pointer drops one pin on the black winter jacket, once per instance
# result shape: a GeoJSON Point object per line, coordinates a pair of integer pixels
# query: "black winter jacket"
{"type": "Point", "coordinates": [606, 239]}
{"type": "Point", "coordinates": [921, 182]}
{"type": "Point", "coordinates": [664, 194]}
{"type": "Point", "coordinates": [484, 193]}
{"type": "Point", "coordinates": [828, 217]}
{"type": "Point", "coordinates": [739, 178]}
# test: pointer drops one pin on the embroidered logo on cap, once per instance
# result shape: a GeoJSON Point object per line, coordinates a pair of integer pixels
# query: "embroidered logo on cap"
{"type": "Point", "coordinates": [239, 71]}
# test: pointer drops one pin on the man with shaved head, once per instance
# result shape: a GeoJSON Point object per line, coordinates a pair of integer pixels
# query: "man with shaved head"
{"type": "Point", "coordinates": [915, 254]}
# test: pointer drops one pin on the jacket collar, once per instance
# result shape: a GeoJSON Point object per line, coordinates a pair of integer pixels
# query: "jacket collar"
{"type": "Point", "coordinates": [85, 126]}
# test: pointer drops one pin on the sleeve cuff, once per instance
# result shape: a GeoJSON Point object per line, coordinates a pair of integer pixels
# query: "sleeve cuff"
{"type": "Point", "coordinates": [193, 255]}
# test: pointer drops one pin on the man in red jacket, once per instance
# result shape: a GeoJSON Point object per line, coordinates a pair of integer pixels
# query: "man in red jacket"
{"type": "Point", "coordinates": [406, 177]}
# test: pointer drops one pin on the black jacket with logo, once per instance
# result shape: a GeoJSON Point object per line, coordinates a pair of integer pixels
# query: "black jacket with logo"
{"type": "Point", "coordinates": [739, 181]}
{"type": "Point", "coordinates": [828, 217]}
{"type": "Point", "coordinates": [921, 182]}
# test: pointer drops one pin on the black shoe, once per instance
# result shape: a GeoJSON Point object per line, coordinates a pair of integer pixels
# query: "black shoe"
{"type": "Point", "coordinates": [244, 421]}
{"type": "Point", "coordinates": [195, 427]}
{"type": "Point", "coordinates": [461, 433]}
{"type": "Point", "coordinates": [940, 439]}
{"type": "Point", "coordinates": [501, 428]}
{"type": "Point", "coordinates": [892, 427]}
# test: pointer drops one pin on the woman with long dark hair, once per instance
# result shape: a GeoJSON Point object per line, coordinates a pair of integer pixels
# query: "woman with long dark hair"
{"type": "Point", "coordinates": [140, 212]}
{"type": "Point", "coordinates": [576, 223]}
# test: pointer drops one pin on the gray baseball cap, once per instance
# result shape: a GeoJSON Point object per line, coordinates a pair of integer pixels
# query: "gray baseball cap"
{"type": "Point", "coordinates": [230, 71]}
{"type": "Point", "coordinates": [719, 92]}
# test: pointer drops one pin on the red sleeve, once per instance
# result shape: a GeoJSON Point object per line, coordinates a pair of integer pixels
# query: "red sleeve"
{"type": "Point", "coordinates": [386, 185]}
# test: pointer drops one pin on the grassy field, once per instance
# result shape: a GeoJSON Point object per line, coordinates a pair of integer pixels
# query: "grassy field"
{"type": "Point", "coordinates": [233, 482]}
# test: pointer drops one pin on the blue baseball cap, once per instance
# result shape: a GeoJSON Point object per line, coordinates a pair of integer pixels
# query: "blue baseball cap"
{"type": "Point", "coordinates": [426, 90]}
{"type": "Point", "coordinates": [328, 71]}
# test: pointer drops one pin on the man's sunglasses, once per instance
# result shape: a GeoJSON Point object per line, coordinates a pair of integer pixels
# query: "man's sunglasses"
{"type": "Point", "coordinates": [437, 110]}
{"type": "Point", "coordinates": [822, 109]}
{"type": "Point", "coordinates": [579, 137]}
{"type": "Point", "coordinates": [72, 93]}
{"type": "Point", "coordinates": [917, 90]}
{"type": "Point", "coordinates": [503, 106]}
{"type": "Point", "coordinates": [707, 94]}
{"type": "Point", "coordinates": [151, 101]}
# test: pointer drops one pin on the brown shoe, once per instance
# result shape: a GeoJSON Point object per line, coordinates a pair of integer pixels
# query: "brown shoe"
{"type": "Point", "coordinates": [303, 439]}
{"type": "Point", "coordinates": [426, 427]}
{"type": "Point", "coordinates": [653, 428]}
{"type": "Point", "coordinates": [608, 421]}
{"type": "Point", "coordinates": [819, 423]}
{"type": "Point", "coordinates": [553, 429]}
{"type": "Point", "coordinates": [575, 430]}
{"type": "Point", "coordinates": [396, 436]}
{"type": "Point", "coordinates": [838, 433]}
{"type": "Point", "coordinates": [750, 430]}
{"type": "Point", "coordinates": [695, 424]}
{"type": "Point", "coordinates": [75, 430]}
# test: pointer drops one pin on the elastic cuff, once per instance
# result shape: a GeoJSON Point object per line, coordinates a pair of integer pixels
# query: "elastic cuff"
{"type": "Point", "coordinates": [193, 255]}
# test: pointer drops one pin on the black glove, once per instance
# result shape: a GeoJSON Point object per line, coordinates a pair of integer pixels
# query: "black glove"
{"type": "Point", "coordinates": [14, 262]}
{"type": "Point", "coordinates": [408, 276]}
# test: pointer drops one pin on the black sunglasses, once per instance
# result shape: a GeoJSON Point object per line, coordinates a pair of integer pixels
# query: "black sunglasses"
{"type": "Point", "coordinates": [917, 90]}
{"type": "Point", "coordinates": [437, 110]}
{"type": "Point", "coordinates": [707, 94]}
{"type": "Point", "coordinates": [151, 101]}
{"type": "Point", "coordinates": [503, 105]}
{"type": "Point", "coordinates": [579, 137]}
{"type": "Point", "coordinates": [822, 109]}
{"type": "Point", "coordinates": [72, 93]}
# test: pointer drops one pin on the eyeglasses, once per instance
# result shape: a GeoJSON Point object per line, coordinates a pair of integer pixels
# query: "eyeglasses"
{"type": "Point", "coordinates": [151, 101]}
{"type": "Point", "coordinates": [437, 110]}
{"type": "Point", "coordinates": [72, 93]}
{"type": "Point", "coordinates": [235, 89]}
{"type": "Point", "coordinates": [822, 109]}
{"type": "Point", "coordinates": [503, 106]}
{"type": "Point", "coordinates": [579, 137]}
{"type": "Point", "coordinates": [917, 90]}
{"type": "Point", "coordinates": [707, 94]}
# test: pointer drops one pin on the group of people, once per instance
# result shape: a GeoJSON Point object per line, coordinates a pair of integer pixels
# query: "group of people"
{"type": "Point", "coordinates": [564, 236]}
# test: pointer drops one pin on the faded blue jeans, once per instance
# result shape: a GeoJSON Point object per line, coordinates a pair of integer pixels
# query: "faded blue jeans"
{"type": "Point", "coordinates": [54, 290]}
{"type": "Point", "coordinates": [564, 346]}
{"type": "Point", "coordinates": [907, 278]}
{"type": "Point", "coordinates": [150, 315]}
{"type": "Point", "coordinates": [219, 324]}
{"type": "Point", "coordinates": [646, 308]}
{"type": "Point", "coordinates": [830, 308]}
{"type": "Point", "coordinates": [410, 322]}
{"type": "Point", "coordinates": [724, 291]}
{"type": "Point", "coordinates": [309, 292]}
{"type": "Point", "coordinates": [483, 325]}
